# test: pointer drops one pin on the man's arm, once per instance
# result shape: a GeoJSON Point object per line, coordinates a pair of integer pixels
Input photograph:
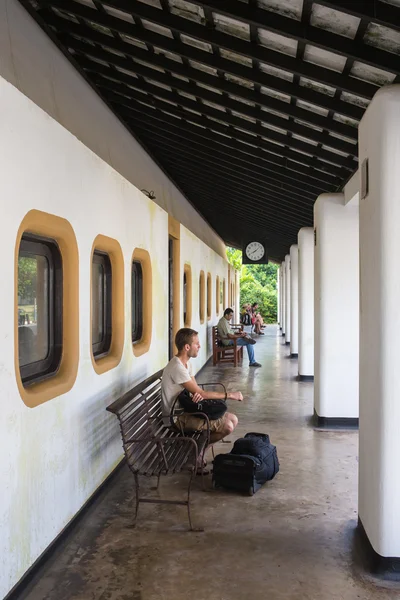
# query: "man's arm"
{"type": "Point", "coordinates": [200, 394]}
{"type": "Point", "coordinates": [225, 331]}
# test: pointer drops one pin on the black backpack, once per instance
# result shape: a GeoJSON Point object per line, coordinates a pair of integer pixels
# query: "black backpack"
{"type": "Point", "coordinates": [252, 461]}
{"type": "Point", "coordinates": [214, 409]}
{"type": "Point", "coordinates": [245, 319]}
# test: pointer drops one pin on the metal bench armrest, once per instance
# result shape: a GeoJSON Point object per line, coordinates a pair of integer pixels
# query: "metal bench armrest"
{"type": "Point", "coordinates": [174, 413]}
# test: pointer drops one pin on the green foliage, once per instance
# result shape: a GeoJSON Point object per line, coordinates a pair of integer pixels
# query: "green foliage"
{"type": "Point", "coordinates": [234, 257]}
{"type": "Point", "coordinates": [257, 284]}
{"type": "Point", "coordinates": [27, 273]}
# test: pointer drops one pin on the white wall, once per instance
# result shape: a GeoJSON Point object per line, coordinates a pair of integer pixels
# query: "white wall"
{"type": "Point", "coordinates": [336, 306]}
{"type": "Point", "coordinates": [31, 62]}
{"type": "Point", "coordinates": [379, 474]}
{"type": "Point", "coordinates": [54, 456]}
{"type": "Point", "coordinates": [352, 188]}
{"type": "Point", "coordinates": [294, 299]}
{"type": "Point", "coordinates": [306, 301]}
{"type": "Point", "coordinates": [195, 253]}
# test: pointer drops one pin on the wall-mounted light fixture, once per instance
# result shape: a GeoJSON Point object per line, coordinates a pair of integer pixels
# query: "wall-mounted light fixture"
{"type": "Point", "coordinates": [150, 194]}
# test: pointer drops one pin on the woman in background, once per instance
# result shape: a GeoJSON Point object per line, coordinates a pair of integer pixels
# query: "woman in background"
{"type": "Point", "coordinates": [257, 320]}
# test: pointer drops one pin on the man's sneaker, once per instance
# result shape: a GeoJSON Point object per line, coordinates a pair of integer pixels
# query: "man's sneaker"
{"type": "Point", "coordinates": [254, 364]}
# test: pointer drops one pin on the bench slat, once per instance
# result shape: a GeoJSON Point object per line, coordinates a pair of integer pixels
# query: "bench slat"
{"type": "Point", "coordinates": [121, 403]}
{"type": "Point", "coordinates": [136, 421]}
{"type": "Point", "coordinates": [137, 450]}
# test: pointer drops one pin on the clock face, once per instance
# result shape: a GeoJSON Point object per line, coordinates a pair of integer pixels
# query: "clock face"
{"type": "Point", "coordinates": [255, 251]}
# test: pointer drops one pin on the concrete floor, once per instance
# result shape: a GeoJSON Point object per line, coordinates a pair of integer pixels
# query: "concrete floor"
{"type": "Point", "coordinates": [292, 540]}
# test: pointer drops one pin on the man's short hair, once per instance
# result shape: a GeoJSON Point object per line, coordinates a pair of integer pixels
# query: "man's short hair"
{"type": "Point", "coordinates": [228, 311]}
{"type": "Point", "coordinates": [184, 336]}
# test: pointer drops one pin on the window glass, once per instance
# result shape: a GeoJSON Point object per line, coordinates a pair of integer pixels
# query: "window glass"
{"type": "Point", "coordinates": [101, 303]}
{"type": "Point", "coordinates": [184, 297]}
{"type": "Point", "coordinates": [33, 298]}
{"type": "Point", "coordinates": [39, 308]}
{"type": "Point", "coordinates": [137, 301]}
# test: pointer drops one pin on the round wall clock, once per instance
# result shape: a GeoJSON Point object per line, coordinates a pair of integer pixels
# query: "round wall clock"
{"type": "Point", "coordinates": [255, 251]}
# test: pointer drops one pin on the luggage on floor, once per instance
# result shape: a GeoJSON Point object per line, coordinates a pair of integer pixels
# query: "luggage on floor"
{"type": "Point", "coordinates": [252, 461]}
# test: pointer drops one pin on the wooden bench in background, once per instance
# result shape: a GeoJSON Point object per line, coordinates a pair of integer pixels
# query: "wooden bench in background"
{"type": "Point", "coordinates": [222, 353]}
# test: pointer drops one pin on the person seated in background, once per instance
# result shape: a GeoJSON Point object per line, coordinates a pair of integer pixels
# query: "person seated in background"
{"type": "Point", "coordinates": [257, 319]}
{"type": "Point", "coordinates": [245, 315]}
{"type": "Point", "coordinates": [227, 336]}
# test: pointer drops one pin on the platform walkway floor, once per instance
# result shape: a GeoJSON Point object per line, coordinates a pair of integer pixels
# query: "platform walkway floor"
{"type": "Point", "coordinates": [292, 540]}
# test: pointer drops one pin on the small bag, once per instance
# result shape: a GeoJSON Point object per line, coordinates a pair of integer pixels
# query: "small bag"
{"type": "Point", "coordinates": [214, 409]}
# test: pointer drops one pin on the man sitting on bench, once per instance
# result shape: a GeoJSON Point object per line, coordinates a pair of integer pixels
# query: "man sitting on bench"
{"type": "Point", "coordinates": [226, 334]}
{"type": "Point", "coordinates": [178, 375]}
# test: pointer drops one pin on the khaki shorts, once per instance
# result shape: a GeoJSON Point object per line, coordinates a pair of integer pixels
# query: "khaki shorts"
{"type": "Point", "coordinates": [192, 423]}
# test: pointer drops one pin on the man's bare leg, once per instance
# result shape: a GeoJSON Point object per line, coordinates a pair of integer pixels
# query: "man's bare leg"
{"type": "Point", "coordinates": [229, 425]}
{"type": "Point", "coordinates": [230, 422]}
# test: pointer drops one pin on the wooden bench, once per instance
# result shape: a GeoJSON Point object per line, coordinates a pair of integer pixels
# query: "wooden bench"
{"type": "Point", "coordinates": [222, 353]}
{"type": "Point", "coordinates": [152, 448]}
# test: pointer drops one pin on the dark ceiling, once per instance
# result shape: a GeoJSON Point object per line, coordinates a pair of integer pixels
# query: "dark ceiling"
{"type": "Point", "coordinates": [250, 106]}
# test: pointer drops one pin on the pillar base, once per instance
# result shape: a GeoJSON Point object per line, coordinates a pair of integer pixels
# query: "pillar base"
{"type": "Point", "coordinates": [294, 355]}
{"type": "Point", "coordinates": [287, 343]}
{"type": "Point", "coordinates": [335, 422]}
{"type": "Point", "coordinates": [305, 377]}
{"type": "Point", "coordinates": [283, 334]}
{"type": "Point", "coordinates": [384, 567]}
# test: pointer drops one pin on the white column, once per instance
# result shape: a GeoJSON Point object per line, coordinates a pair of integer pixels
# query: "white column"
{"type": "Point", "coordinates": [278, 296]}
{"type": "Point", "coordinates": [336, 302]}
{"type": "Point", "coordinates": [283, 303]}
{"type": "Point", "coordinates": [379, 445]}
{"type": "Point", "coordinates": [287, 299]}
{"type": "Point", "coordinates": [281, 294]}
{"type": "Point", "coordinates": [237, 296]}
{"type": "Point", "coordinates": [294, 300]}
{"type": "Point", "coordinates": [306, 303]}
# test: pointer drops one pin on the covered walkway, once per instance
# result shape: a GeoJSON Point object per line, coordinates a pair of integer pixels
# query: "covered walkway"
{"type": "Point", "coordinates": [293, 539]}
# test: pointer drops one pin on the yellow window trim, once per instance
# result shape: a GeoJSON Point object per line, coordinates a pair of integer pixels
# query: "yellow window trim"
{"type": "Point", "coordinates": [209, 296]}
{"type": "Point", "coordinates": [202, 298]}
{"type": "Point", "coordinates": [106, 244]}
{"type": "Point", "coordinates": [217, 293]}
{"type": "Point", "coordinates": [59, 229]}
{"type": "Point", "coordinates": [143, 257]}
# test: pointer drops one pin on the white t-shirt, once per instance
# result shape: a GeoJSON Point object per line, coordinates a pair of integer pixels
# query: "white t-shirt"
{"type": "Point", "coordinates": [174, 375]}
